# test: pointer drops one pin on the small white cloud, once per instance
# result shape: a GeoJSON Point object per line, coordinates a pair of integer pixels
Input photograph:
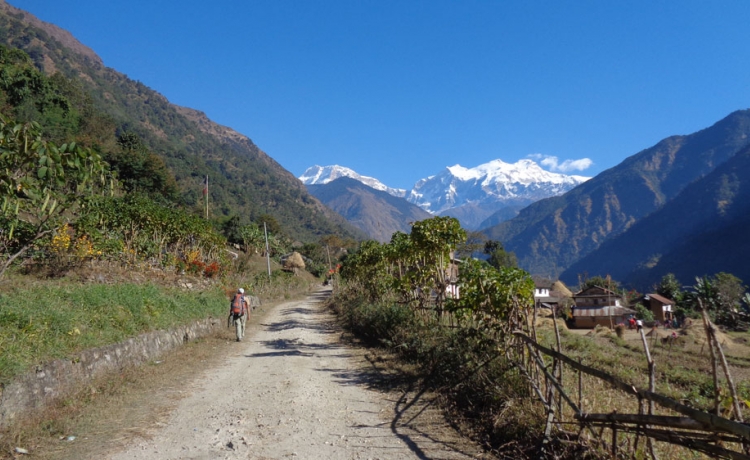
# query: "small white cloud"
{"type": "Point", "coordinates": [554, 164]}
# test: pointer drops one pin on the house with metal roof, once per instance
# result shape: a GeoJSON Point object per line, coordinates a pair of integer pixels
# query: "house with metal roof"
{"type": "Point", "coordinates": [598, 306]}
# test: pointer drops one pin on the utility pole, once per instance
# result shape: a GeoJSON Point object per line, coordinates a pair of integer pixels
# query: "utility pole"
{"type": "Point", "coordinates": [329, 258]}
{"type": "Point", "coordinates": [268, 252]}
{"type": "Point", "coordinates": [609, 291]}
{"type": "Point", "coordinates": [205, 194]}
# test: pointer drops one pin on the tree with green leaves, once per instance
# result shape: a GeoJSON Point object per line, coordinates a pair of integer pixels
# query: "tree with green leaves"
{"type": "Point", "coordinates": [271, 224]}
{"type": "Point", "coordinates": [729, 290]}
{"type": "Point", "coordinates": [475, 244]}
{"type": "Point", "coordinates": [231, 229]}
{"type": "Point", "coordinates": [435, 240]}
{"type": "Point", "coordinates": [140, 170]}
{"type": "Point", "coordinates": [28, 93]}
{"type": "Point", "coordinates": [253, 239]}
{"type": "Point", "coordinates": [42, 186]}
{"type": "Point", "coordinates": [317, 258]}
{"type": "Point", "coordinates": [721, 295]}
{"type": "Point", "coordinates": [494, 299]}
{"type": "Point", "coordinates": [670, 287]}
{"type": "Point", "coordinates": [369, 267]}
{"type": "Point", "coordinates": [644, 313]}
{"type": "Point", "coordinates": [602, 282]}
{"type": "Point", "coordinates": [498, 256]}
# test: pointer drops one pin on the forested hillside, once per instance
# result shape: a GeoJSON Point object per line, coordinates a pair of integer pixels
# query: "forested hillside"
{"type": "Point", "coordinates": [701, 232]}
{"type": "Point", "coordinates": [551, 235]}
{"type": "Point", "coordinates": [97, 106]}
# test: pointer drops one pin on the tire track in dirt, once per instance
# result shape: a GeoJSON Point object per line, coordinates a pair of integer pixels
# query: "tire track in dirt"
{"type": "Point", "coordinates": [291, 390]}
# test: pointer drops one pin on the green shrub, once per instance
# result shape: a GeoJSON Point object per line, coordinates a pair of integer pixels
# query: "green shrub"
{"type": "Point", "coordinates": [379, 324]}
{"type": "Point", "coordinates": [644, 313]}
{"type": "Point", "coordinates": [462, 362]}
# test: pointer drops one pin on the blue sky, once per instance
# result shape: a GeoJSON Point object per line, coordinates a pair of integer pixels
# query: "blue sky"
{"type": "Point", "coordinates": [400, 89]}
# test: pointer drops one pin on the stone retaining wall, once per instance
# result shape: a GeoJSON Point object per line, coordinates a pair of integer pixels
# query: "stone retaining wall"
{"type": "Point", "coordinates": [30, 393]}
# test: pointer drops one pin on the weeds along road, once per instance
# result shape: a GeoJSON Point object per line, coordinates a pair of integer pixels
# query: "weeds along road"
{"type": "Point", "coordinates": [290, 390]}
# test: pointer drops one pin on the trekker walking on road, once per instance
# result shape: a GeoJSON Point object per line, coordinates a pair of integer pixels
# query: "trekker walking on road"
{"type": "Point", "coordinates": [238, 313]}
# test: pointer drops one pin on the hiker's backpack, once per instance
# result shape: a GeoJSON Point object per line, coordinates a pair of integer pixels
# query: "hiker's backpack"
{"type": "Point", "coordinates": [238, 304]}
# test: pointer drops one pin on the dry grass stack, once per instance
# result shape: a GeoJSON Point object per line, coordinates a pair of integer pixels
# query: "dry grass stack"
{"type": "Point", "coordinates": [294, 262]}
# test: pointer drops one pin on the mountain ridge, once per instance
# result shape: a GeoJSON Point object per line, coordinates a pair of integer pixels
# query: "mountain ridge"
{"type": "Point", "coordinates": [552, 234]}
{"type": "Point", "coordinates": [318, 175]}
{"type": "Point", "coordinates": [376, 212]}
{"type": "Point", "coordinates": [674, 239]}
{"type": "Point", "coordinates": [63, 36]}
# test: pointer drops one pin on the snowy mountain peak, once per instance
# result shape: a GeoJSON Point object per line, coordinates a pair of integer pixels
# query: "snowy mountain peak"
{"type": "Point", "coordinates": [325, 174]}
{"type": "Point", "coordinates": [523, 171]}
{"type": "Point", "coordinates": [471, 193]}
{"type": "Point", "coordinates": [522, 182]}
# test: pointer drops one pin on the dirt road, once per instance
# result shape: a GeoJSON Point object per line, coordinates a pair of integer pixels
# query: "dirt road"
{"type": "Point", "coordinates": [291, 390]}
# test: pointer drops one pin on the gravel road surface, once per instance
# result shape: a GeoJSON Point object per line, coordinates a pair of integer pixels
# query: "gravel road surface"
{"type": "Point", "coordinates": [291, 390]}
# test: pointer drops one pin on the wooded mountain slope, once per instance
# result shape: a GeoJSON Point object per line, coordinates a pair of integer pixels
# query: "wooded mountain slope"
{"type": "Point", "coordinates": [702, 231]}
{"type": "Point", "coordinates": [377, 213]}
{"type": "Point", "coordinates": [551, 235]}
{"type": "Point", "coordinates": [243, 180]}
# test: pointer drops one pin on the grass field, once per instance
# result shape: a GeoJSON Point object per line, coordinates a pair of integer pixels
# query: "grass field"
{"type": "Point", "coordinates": [46, 319]}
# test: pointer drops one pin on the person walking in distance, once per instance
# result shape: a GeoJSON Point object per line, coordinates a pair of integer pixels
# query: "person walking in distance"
{"type": "Point", "coordinates": [238, 313]}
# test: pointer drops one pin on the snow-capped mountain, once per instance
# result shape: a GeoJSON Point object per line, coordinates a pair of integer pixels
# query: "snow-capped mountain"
{"type": "Point", "coordinates": [316, 175]}
{"type": "Point", "coordinates": [469, 194]}
{"type": "Point", "coordinates": [519, 183]}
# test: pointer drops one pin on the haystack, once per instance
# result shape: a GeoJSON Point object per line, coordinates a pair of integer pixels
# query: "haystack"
{"type": "Point", "coordinates": [547, 323]}
{"type": "Point", "coordinates": [294, 262]}
{"type": "Point", "coordinates": [544, 313]}
{"type": "Point", "coordinates": [599, 331]}
{"type": "Point", "coordinates": [697, 333]}
{"type": "Point", "coordinates": [563, 290]}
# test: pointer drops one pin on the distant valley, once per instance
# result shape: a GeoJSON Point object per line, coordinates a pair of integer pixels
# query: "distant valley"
{"type": "Point", "coordinates": [375, 212]}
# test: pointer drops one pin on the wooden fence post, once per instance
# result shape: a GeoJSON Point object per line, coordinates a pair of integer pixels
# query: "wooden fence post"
{"type": "Point", "coordinates": [651, 388]}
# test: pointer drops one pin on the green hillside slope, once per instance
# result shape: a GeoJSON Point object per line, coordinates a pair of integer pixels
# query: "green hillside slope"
{"type": "Point", "coordinates": [243, 180]}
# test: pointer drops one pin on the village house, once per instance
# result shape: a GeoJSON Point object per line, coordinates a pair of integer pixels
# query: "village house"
{"type": "Point", "coordinates": [598, 306]}
{"type": "Point", "coordinates": [542, 287]}
{"type": "Point", "coordinates": [544, 295]}
{"type": "Point", "coordinates": [660, 306]}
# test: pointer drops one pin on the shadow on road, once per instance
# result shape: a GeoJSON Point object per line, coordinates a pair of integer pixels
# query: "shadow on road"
{"type": "Point", "coordinates": [279, 326]}
{"type": "Point", "coordinates": [413, 419]}
{"type": "Point", "coordinates": [407, 409]}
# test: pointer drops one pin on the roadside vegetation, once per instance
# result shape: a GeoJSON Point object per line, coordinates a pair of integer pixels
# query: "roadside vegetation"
{"type": "Point", "coordinates": [393, 295]}
{"type": "Point", "coordinates": [398, 296]}
{"type": "Point", "coordinates": [56, 320]}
